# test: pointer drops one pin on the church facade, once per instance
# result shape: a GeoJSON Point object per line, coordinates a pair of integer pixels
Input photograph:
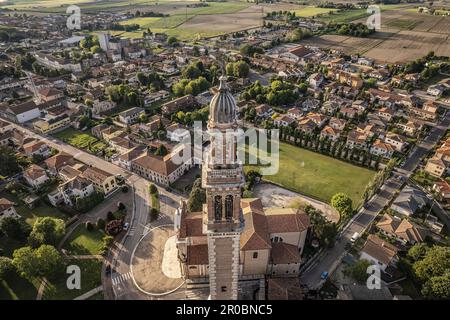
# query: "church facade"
{"type": "Point", "coordinates": [234, 239]}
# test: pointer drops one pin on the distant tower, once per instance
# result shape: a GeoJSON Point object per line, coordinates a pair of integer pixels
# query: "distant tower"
{"type": "Point", "coordinates": [222, 178]}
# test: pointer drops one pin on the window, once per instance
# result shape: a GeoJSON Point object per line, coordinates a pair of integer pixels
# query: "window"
{"type": "Point", "coordinates": [255, 255]}
{"type": "Point", "coordinates": [224, 289]}
{"type": "Point", "coordinates": [229, 207]}
{"type": "Point", "coordinates": [218, 208]}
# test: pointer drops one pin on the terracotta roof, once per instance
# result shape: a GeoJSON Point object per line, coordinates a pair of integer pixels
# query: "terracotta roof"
{"type": "Point", "coordinates": [48, 92]}
{"type": "Point", "coordinates": [286, 220]}
{"type": "Point", "coordinates": [5, 204]}
{"type": "Point", "coordinates": [191, 225]}
{"type": "Point", "coordinates": [197, 254]}
{"type": "Point", "coordinates": [388, 223]}
{"type": "Point", "coordinates": [34, 172]}
{"type": "Point", "coordinates": [59, 160]}
{"type": "Point", "coordinates": [284, 253]}
{"type": "Point", "coordinates": [255, 235]}
{"type": "Point", "coordinates": [379, 249]}
{"type": "Point", "coordinates": [161, 165]}
{"type": "Point", "coordinates": [96, 175]}
{"type": "Point", "coordinates": [300, 51]}
{"type": "Point", "coordinates": [284, 289]}
{"type": "Point", "coordinates": [33, 146]}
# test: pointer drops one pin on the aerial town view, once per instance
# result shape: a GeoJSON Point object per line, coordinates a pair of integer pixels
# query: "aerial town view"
{"type": "Point", "coordinates": [239, 150]}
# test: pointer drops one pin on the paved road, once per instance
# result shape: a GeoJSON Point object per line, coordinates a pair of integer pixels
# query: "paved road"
{"type": "Point", "coordinates": [426, 145]}
{"type": "Point", "coordinates": [120, 282]}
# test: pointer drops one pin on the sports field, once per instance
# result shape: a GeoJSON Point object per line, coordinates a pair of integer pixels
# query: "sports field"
{"type": "Point", "coordinates": [317, 175]}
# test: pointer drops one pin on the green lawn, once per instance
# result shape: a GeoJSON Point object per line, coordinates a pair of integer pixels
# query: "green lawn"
{"type": "Point", "coordinates": [318, 175]}
{"type": "Point", "coordinates": [17, 288]}
{"type": "Point", "coordinates": [344, 16]}
{"type": "Point", "coordinates": [90, 279]}
{"type": "Point", "coordinates": [403, 24]}
{"type": "Point", "coordinates": [41, 210]}
{"type": "Point", "coordinates": [81, 140]}
{"type": "Point", "coordinates": [83, 242]}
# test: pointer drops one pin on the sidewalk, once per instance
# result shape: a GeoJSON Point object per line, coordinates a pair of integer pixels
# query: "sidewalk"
{"type": "Point", "coordinates": [89, 294]}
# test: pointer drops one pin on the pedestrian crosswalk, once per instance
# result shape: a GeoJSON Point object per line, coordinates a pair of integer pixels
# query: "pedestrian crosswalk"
{"type": "Point", "coordinates": [120, 278]}
{"type": "Point", "coordinates": [131, 232]}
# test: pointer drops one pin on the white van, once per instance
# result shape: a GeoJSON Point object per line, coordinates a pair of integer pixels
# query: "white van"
{"type": "Point", "coordinates": [354, 237]}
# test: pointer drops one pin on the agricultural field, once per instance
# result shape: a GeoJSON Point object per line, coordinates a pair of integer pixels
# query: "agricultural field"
{"type": "Point", "coordinates": [311, 11]}
{"type": "Point", "coordinates": [317, 175]}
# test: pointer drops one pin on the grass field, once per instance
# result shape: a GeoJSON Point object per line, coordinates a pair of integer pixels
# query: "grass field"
{"type": "Point", "coordinates": [311, 11]}
{"type": "Point", "coordinates": [317, 175]}
{"type": "Point", "coordinates": [81, 140]}
{"type": "Point", "coordinates": [83, 242]}
{"type": "Point", "coordinates": [403, 24]}
{"type": "Point", "coordinates": [17, 288]}
{"type": "Point", "coordinates": [90, 279]}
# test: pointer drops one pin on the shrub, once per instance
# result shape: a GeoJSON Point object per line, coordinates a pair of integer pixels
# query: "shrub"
{"type": "Point", "coordinates": [152, 188]}
{"type": "Point", "coordinates": [114, 227]}
{"type": "Point", "coordinates": [120, 206]}
{"type": "Point", "coordinates": [124, 189]}
{"type": "Point", "coordinates": [89, 226]}
{"type": "Point", "coordinates": [110, 216]}
{"type": "Point", "coordinates": [6, 267]}
{"type": "Point", "coordinates": [101, 224]}
{"type": "Point", "coordinates": [153, 214]}
{"type": "Point", "coordinates": [247, 194]}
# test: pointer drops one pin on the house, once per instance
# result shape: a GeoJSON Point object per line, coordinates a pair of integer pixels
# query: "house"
{"type": "Point", "coordinates": [177, 132]}
{"type": "Point", "coordinates": [121, 145]}
{"type": "Point", "coordinates": [330, 133]}
{"type": "Point", "coordinates": [283, 120]}
{"type": "Point", "coordinates": [162, 169]}
{"type": "Point", "coordinates": [315, 80]}
{"type": "Point", "coordinates": [51, 124]}
{"type": "Point", "coordinates": [7, 209]}
{"type": "Point", "coordinates": [401, 229]}
{"type": "Point", "coordinates": [180, 104]}
{"type": "Point", "coordinates": [409, 201]}
{"type": "Point", "coordinates": [131, 115]}
{"type": "Point", "coordinates": [21, 113]}
{"type": "Point", "coordinates": [434, 223]}
{"type": "Point", "coordinates": [380, 148]}
{"type": "Point", "coordinates": [264, 111]}
{"type": "Point", "coordinates": [5, 126]}
{"type": "Point", "coordinates": [55, 163]}
{"type": "Point", "coordinates": [36, 148]}
{"type": "Point", "coordinates": [349, 112]}
{"type": "Point", "coordinates": [338, 124]}
{"type": "Point", "coordinates": [76, 188]}
{"type": "Point", "coordinates": [442, 188]}
{"type": "Point", "coordinates": [155, 97]}
{"type": "Point", "coordinates": [436, 90]}
{"type": "Point", "coordinates": [124, 160]}
{"type": "Point", "coordinates": [99, 106]}
{"type": "Point", "coordinates": [317, 118]}
{"type": "Point", "coordinates": [296, 54]}
{"type": "Point", "coordinates": [396, 140]}
{"type": "Point", "coordinates": [436, 166]}
{"type": "Point", "coordinates": [385, 113]}
{"type": "Point", "coordinates": [103, 181]}
{"type": "Point", "coordinates": [295, 113]}
{"type": "Point", "coordinates": [35, 176]}
{"type": "Point", "coordinates": [379, 252]}
{"type": "Point", "coordinates": [356, 139]}
{"type": "Point", "coordinates": [49, 94]}
{"type": "Point", "coordinates": [306, 125]}
{"type": "Point", "coordinates": [410, 128]}
{"type": "Point", "coordinates": [427, 114]}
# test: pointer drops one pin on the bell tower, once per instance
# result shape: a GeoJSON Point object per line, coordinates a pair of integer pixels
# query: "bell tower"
{"type": "Point", "coordinates": [222, 178]}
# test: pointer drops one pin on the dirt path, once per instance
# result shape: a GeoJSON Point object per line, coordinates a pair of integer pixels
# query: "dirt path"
{"type": "Point", "coordinates": [275, 196]}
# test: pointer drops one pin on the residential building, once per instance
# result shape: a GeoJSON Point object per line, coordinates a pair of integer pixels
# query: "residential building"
{"type": "Point", "coordinates": [36, 147]}
{"type": "Point", "coordinates": [131, 115]}
{"type": "Point", "coordinates": [21, 113]}
{"type": "Point", "coordinates": [55, 163]}
{"type": "Point", "coordinates": [379, 252]}
{"type": "Point", "coordinates": [380, 148]}
{"type": "Point", "coordinates": [401, 229]}
{"type": "Point", "coordinates": [103, 181]}
{"type": "Point", "coordinates": [35, 176]}
{"type": "Point", "coordinates": [410, 201]}
{"type": "Point", "coordinates": [7, 209]}
{"type": "Point", "coordinates": [180, 104]}
{"type": "Point", "coordinates": [395, 140]}
{"type": "Point", "coordinates": [51, 124]}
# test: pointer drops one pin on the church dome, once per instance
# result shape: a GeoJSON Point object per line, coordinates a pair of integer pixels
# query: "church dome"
{"type": "Point", "coordinates": [222, 109]}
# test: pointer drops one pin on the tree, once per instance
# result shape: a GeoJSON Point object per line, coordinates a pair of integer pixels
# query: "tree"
{"type": "Point", "coordinates": [152, 188]}
{"type": "Point", "coordinates": [101, 224]}
{"type": "Point", "coordinates": [343, 204]}
{"type": "Point", "coordinates": [241, 69]}
{"type": "Point", "coordinates": [418, 251]}
{"type": "Point", "coordinates": [110, 216]}
{"type": "Point", "coordinates": [15, 228]}
{"type": "Point", "coordinates": [9, 164]}
{"type": "Point", "coordinates": [435, 263]}
{"type": "Point", "coordinates": [197, 197]}
{"type": "Point", "coordinates": [26, 262]}
{"type": "Point", "coordinates": [6, 267]}
{"type": "Point", "coordinates": [438, 287]}
{"type": "Point", "coordinates": [171, 41]}
{"type": "Point", "coordinates": [50, 261]}
{"type": "Point", "coordinates": [358, 271]}
{"type": "Point", "coordinates": [89, 226]}
{"type": "Point", "coordinates": [46, 230]}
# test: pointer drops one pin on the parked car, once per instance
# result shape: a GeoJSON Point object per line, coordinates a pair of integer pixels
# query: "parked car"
{"type": "Point", "coordinates": [324, 275]}
{"type": "Point", "coordinates": [126, 226]}
{"type": "Point", "coordinates": [354, 237]}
